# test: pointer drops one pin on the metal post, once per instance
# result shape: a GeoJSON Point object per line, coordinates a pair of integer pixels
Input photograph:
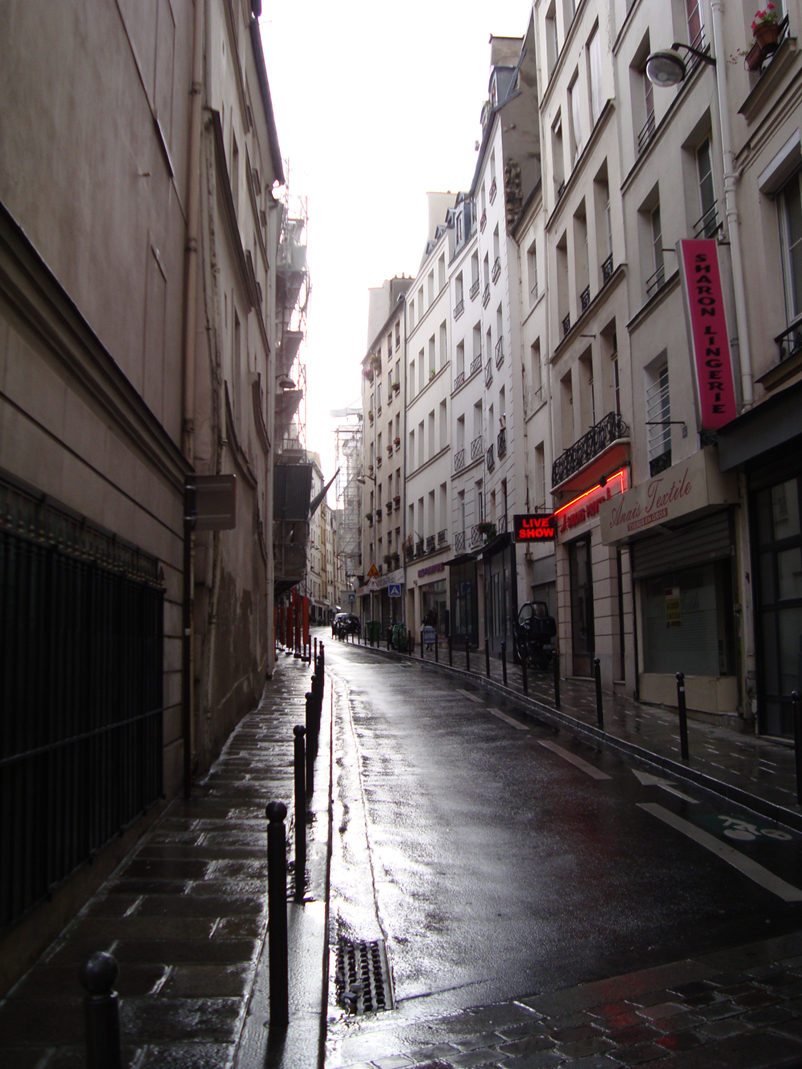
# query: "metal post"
{"type": "Point", "coordinates": [683, 716]}
{"type": "Point", "coordinates": [599, 709]}
{"type": "Point", "coordinates": [450, 652]}
{"type": "Point", "coordinates": [467, 653]}
{"type": "Point", "coordinates": [487, 658]}
{"type": "Point", "coordinates": [436, 648]}
{"type": "Point", "coordinates": [101, 1012]}
{"type": "Point", "coordinates": [795, 705]}
{"type": "Point", "coordinates": [524, 677]}
{"type": "Point", "coordinates": [277, 915]}
{"type": "Point", "coordinates": [315, 649]}
{"type": "Point", "coordinates": [504, 663]}
{"type": "Point", "coordinates": [300, 810]}
{"type": "Point", "coordinates": [556, 665]}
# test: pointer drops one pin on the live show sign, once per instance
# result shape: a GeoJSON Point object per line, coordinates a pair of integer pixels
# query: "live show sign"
{"type": "Point", "coordinates": [707, 329]}
{"type": "Point", "coordinates": [536, 527]}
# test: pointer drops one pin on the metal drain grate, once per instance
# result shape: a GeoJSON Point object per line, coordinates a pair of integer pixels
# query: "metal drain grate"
{"type": "Point", "coordinates": [364, 984]}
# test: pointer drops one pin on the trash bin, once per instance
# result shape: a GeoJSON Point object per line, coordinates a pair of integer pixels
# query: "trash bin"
{"type": "Point", "coordinates": [399, 639]}
{"type": "Point", "coordinates": [373, 630]}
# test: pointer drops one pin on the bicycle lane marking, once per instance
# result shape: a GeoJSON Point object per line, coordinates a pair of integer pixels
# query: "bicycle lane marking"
{"type": "Point", "coordinates": [745, 865]}
{"type": "Point", "coordinates": [589, 770]}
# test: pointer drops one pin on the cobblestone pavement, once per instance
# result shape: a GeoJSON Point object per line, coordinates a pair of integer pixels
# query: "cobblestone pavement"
{"type": "Point", "coordinates": [185, 916]}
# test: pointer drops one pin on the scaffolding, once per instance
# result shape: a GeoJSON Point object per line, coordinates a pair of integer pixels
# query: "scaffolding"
{"type": "Point", "coordinates": [349, 492]}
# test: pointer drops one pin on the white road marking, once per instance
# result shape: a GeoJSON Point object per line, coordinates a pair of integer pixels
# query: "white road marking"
{"type": "Point", "coordinates": [648, 780]}
{"type": "Point", "coordinates": [583, 765]}
{"type": "Point", "coordinates": [467, 693]}
{"type": "Point", "coordinates": [786, 891]}
{"type": "Point", "coordinates": [508, 719]}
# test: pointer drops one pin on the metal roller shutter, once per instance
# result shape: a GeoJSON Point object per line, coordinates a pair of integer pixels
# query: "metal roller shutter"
{"type": "Point", "coordinates": [694, 543]}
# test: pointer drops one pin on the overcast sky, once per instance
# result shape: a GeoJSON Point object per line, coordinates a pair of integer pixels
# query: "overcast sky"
{"type": "Point", "coordinates": [375, 104]}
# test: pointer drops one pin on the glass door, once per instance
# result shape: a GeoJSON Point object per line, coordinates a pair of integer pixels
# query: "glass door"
{"type": "Point", "coordinates": [583, 639]}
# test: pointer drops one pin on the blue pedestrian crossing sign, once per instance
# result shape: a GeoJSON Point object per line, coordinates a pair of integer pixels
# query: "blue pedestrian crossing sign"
{"type": "Point", "coordinates": [394, 590]}
{"type": "Point", "coordinates": [352, 596]}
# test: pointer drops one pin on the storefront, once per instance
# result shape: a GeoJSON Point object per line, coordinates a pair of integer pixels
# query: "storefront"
{"type": "Point", "coordinates": [501, 594]}
{"type": "Point", "coordinates": [433, 596]}
{"type": "Point", "coordinates": [464, 585]}
{"type": "Point", "coordinates": [766, 445]}
{"type": "Point", "coordinates": [680, 529]}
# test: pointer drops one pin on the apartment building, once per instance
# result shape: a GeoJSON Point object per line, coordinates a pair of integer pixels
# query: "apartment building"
{"type": "Point", "coordinates": [427, 545]}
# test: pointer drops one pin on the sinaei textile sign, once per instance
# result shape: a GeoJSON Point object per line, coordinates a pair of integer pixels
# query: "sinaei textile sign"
{"type": "Point", "coordinates": [707, 330]}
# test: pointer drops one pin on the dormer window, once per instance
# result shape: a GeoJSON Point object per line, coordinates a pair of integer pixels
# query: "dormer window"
{"type": "Point", "coordinates": [460, 229]}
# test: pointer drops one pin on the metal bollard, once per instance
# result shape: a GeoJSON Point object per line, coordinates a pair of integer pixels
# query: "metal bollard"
{"type": "Point", "coordinates": [504, 663]}
{"type": "Point", "coordinates": [524, 676]}
{"type": "Point", "coordinates": [487, 658]}
{"type": "Point", "coordinates": [422, 648]}
{"type": "Point", "coordinates": [683, 716]}
{"type": "Point", "coordinates": [467, 654]}
{"type": "Point", "coordinates": [599, 709]}
{"type": "Point", "coordinates": [315, 649]}
{"type": "Point", "coordinates": [101, 1012]}
{"type": "Point", "coordinates": [277, 915]}
{"type": "Point", "coordinates": [436, 648]}
{"type": "Point", "coordinates": [450, 652]}
{"type": "Point", "coordinates": [797, 711]}
{"type": "Point", "coordinates": [556, 665]}
{"type": "Point", "coordinates": [300, 810]}
{"type": "Point", "coordinates": [322, 656]}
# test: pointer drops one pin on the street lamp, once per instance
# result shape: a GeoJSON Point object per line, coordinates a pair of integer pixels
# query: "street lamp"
{"type": "Point", "coordinates": [667, 68]}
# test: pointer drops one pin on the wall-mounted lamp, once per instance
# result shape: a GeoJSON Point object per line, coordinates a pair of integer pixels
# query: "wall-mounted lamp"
{"type": "Point", "coordinates": [668, 68]}
{"type": "Point", "coordinates": [361, 478]}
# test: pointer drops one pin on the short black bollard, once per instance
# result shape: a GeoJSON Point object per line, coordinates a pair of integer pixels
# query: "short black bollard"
{"type": "Point", "coordinates": [599, 708]}
{"type": "Point", "coordinates": [277, 915]}
{"type": "Point", "coordinates": [422, 647]}
{"type": "Point", "coordinates": [315, 650]}
{"type": "Point", "coordinates": [300, 810]}
{"type": "Point", "coordinates": [101, 1012]}
{"type": "Point", "coordinates": [467, 654]}
{"type": "Point", "coordinates": [450, 652]}
{"type": "Point", "coordinates": [524, 676]}
{"type": "Point", "coordinates": [322, 656]}
{"type": "Point", "coordinates": [683, 716]}
{"type": "Point", "coordinates": [556, 665]}
{"type": "Point", "coordinates": [797, 712]}
{"type": "Point", "coordinates": [436, 648]}
{"type": "Point", "coordinates": [487, 658]}
{"type": "Point", "coordinates": [504, 663]}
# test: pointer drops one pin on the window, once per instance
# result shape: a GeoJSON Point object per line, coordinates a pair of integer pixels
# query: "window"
{"type": "Point", "coordinates": [235, 172]}
{"type": "Point", "coordinates": [531, 264]}
{"type": "Point", "coordinates": [658, 415]}
{"type": "Point", "coordinates": [790, 207]}
{"type": "Point", "coordinates": [398, 334]}
{"type": "Point", "coordinates": [557, 156]}
{"type": "Point", "coordinates": [443, 344]}
{"type": "Point", "coordinates": [574, 119]}
{"type": "Point", "coordinates": [443, 424]}
{"type": "Point", "coordinates": [421, 444]}
{"type": "Point", "coordinates": [552, 40]}
{"type": "Point", "coordinates": [595, 74]}
{"type": "Point", "coordinates": [411, 379]}
{"type": "Point", "coordinates": [430, 286]}
{"type": "Point", "coordinates": [432, 357]}
{"type": "Point", "coordinates": [695, 27]}
{"type": "Point", "coordinates": [540, 476]}
{"type": "Point", "coordinates": [412, 313]}
{"type": "Point", "coordinates": [441, 272]}
{"type": "Point", "coordinates": [708, 223]}
{"type": "Point", "coordinates": [656, 280]}
{"type": "Point", "coordinates": [460, 370]}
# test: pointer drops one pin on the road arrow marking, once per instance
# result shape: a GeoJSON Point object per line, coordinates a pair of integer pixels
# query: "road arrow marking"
{"type": "Point", "coordinates": [648, 780]}
{"type": "Point", "coordinates": [574, 760]}
{"type": "Point", "coordinates": [786, 891]}
{"type": "Point", "coordinates": [508, 719]}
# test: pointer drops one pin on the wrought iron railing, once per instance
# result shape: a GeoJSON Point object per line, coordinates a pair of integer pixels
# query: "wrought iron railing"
{"type": "Point", "coordinates": [488, 372]}
{"type": "Point", "coordinates": [566, 324]}
{"type": "Point", "coordinates": [430, 544]}
{"type": "Point", "coordinates": [493, 190]}
{"type": "Point", "coordinates": [708, 224]}
{"type": "Point", "coordinates": [656, 280]}
{"type": "Point", "coordinates": [441, 537]}
{"type": "Point", "coordinates": [496, 269]}
{"type": "Point", "coordinates": [483, 220]}
{"type": "Point", "coordinates": [500, 352]}
{"type": "Point", "coordinates": [646, 133]}
{"type": "Point", "coordinates": [490, 459]}
{"type": "Point", "coordinates": [474, 290]}
{"type": "Point", "coordinates": [477, 538]}
{"type": "Point", "coordinates": [607, 269]}
{"type": "Point", "coordinates": [501, 442]}
{"type": "Point", "coordinates": [476, 448]}
{"type": "Point", "coordinates": [501, 524]}
{"type": "Point", "coordinates": [486, 295]}
{"type": "Point", "coordinates": [459, 460]}
{"type": "Point", "coordinates": [459, 309]}
{"type": "Point", "coordinates": [409, 553]}
{"type": "Point", "coordinates": [419, 548]}
{"type": "Point", "coordinates": [790, 341]}
{"type": "Point", "coordinates": [598, 438]}
{"type": "Point", "coordinates": [476, 364]}
{"type": "Point", "coordinates": [534, 398]}
{"type": "Point", "coordinates": [459, 542]}
{"type": "Point", "coordinates": [584, 298]}
{"type": "Point", "coordinates": [459, 380]}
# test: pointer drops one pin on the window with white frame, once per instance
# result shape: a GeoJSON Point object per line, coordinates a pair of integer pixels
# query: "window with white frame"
{"type": "Point", "coordinates": [658, 416]}
{"type": "Point", "coordinates": [693, 9]}
{"type": "Point", "coordinates": [574, 119]}
{"type": "Point", "coordinates": [790, 208]}
{"type": "Point", "coordinates": [708, 222]}
{"type": "Point", "coordinates": [531, 265]}
{"type": "Point", "coordinates": [595, 74]}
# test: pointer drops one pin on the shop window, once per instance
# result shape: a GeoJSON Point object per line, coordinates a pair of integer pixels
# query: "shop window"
{"type": "Point", "coordinates": [790, 205]}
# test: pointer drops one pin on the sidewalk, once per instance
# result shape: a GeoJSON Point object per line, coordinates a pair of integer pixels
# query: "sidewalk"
{"type": "Point", "coordinates": [185, 916]}
{"type": "Point", "coordinates": [755, 772]}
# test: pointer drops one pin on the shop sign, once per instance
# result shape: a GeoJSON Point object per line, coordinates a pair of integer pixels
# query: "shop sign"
{"type": "Point", "coordinates": [536, 527]}
{"type": "Point", "coordinates": [707, 329]}
{"type": "Point", "coordinates": [678, 491]}
{"type": "Point", "coordinates": [587, 505]}
{"type": "Point", "coordinates": [430, 569]}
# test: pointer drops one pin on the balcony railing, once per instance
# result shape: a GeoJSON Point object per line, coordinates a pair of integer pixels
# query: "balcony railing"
{"type": "Point", "coordinates": [647, 133]}
{"type": "Point", "coordinates": [566, 324]}
{"type": "Point", "coordinates": [534, 398]}
{"type": "Point", "coordinates": [477, 538]}
{"type": "Point", "coordinates": [419, 548]}
{"type": "Point", "coordinates": [501, 442]}
{"type": "Point", "coordinates": [459, 380]}
{"type": "Point", "coordinates": [501, 525]}
{"type": "Point", "coordinates": [496, 269]}
{"type": "Point", "coordinates": [493, 190]}
{"type": "Point", "coordinates": [483, 221]}
{"type": "Point", "coordinates": [486, 295]}
{"type": "Point", "coordinates": [790, 341]}
{"type": "Point", "coordinates": [459, 460]}
{"type": "Point", "coordinates": [607, 269]}
{"type": "Point", "coordinates": [476, 364]}
{"type": "Point", "coordinates": [488, 372]}
{"type": "Point", "coordinates": [499, 352]}
{"type": "Point", "coordinates": [490, 459]}
{"type": "Point", "coordinates": [459, 542]}
{"type": "Point", "coordinates": [459, 309]}
{"type": "Point", "coordinates": [655, 281]}
{"type": "Point", "coordinates": [476, 448]}
{"type": "Point", "coordinates": [598, 438]}
{"type": "Point", "coordinates": [389, 507]}
{"type": "Point", "coordinates": [474, 290]}
{"type": "Point", "coordinates": [409, 553]}
{"type": "Point", "coordinates": [430, 544]}
{"type": "Point", "coordinates": [584, 297]}
{"type": "Point", "coordinates": [708, 224]}
{"type": "Point", "coordinates": [441, 537]}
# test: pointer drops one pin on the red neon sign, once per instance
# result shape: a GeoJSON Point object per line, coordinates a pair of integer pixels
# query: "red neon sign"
{"type": "Point", "coordinates": [534, 528]}
{"type": "Point", "coordinates": [601, 492]}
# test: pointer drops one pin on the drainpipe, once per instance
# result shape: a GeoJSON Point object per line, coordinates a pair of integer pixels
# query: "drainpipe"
{"type": "Point", "coordinates": [731, 208]}
{"type": "Point", "coordinates": [191, 248]}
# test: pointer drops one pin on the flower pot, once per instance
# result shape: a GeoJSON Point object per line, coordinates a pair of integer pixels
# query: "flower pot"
{"type": "Point", "coordinates": [766, 34]}
{"type": "Point", "coordinates": [754, 58]}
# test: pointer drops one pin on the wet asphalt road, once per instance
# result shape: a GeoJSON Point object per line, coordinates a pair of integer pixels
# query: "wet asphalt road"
{"type": "Point", "coordinates": [496, 868]}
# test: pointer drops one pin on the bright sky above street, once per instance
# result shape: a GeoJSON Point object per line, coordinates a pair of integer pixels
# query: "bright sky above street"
{"type": "Point", "coordinates": [375, 105]}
